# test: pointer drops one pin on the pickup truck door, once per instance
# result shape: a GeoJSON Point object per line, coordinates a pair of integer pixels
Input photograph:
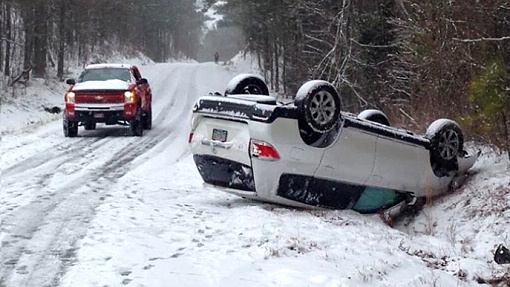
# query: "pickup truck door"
{"type": "Point", "coordinates": [142, 89]}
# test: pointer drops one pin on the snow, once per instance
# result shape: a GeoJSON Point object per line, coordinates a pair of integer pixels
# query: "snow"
{"type": "Point", "coordinates": [369, 113]}
{"type": "Point", "coordinates": [243, 64]}
{"type": "Point", "coordinates": [108, 66]}
{"type": "Point", "coordinates": [213, 16]}
{"type": "Point", "coordinates": [436, 126]}
{"type": "Point", "coordinates": [22, 108]}
{"type": "Point", "coordinates": [237, 79]}
{"type": "Point", "coordinates": [102, 85]}
{"type": "Point", "coordinates": [256, 98]}
{"type": "Point", "coordinates": [106, 209]}
{"type": "Point", "coordinates": [309, 86]}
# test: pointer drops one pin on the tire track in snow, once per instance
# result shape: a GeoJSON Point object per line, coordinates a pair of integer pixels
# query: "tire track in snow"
{"type": "Point", "coordinates": [55, 153]}
{"type": "Point", "coordinates": [38, 239]}
{"type": "Point", "coordinates": [73, 146]}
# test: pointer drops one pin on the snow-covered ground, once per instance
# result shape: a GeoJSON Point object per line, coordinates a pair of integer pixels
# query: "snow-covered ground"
{"type": "Point", "coordinates": [106, 209]}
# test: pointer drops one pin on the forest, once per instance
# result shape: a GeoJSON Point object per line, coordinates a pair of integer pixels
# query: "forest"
{"type": "Point", "coordinates": [414, 60]}
{"type": "Point", "coordinates": [39, 36]}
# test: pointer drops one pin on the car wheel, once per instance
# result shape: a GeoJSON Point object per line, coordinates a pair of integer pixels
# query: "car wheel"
{"type": "Point", "coordinates": [374, 116]}
{"type": "Point", "coordinates": [247, 84]}
{"type": "Point", "coordinates": [446, 143]}
{"type": "Point", "coordinates": [318, 105]}
{"type": "Point", "coordinates": [70, 128]}
{"type": "Point", "coordinates": [136, 124]}
{"type": "Point", "coordinates": [147, 119]}
{"type": "Point", "coordinates": [90, 125]}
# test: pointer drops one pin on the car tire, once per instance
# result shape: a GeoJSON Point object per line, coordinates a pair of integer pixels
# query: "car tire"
{"type": "Point", "coordinates": [247, 84]}
{"type": "Point", "coordinates": [446, 143]}
{"type": "Point", "coordinates": [90, 126]}
{"type": "Point", "coordinates": [136, 124]}
{"type": "Point", "coordinates": [147, 119]}
{"type": "Point", "coordinates": [318, 105]}
{"type": "Point", "coordinates": [70, 128]}
{"type": "Point", "coordinates": [375, 116]}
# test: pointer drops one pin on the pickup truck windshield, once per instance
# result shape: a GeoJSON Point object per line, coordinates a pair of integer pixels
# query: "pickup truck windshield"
{"type": "Point", "coordinates": [105, 74]}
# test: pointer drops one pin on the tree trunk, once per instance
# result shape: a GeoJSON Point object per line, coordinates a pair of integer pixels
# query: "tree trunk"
{"type": "Point", "coordinates": [29, 36]}
{"type": "Point", "coordinates": [40, 40]}
{"type": "Point", "coordinates": [61, 40]}
{"type": "Point", "coordinates": [8, 33]}
{"type": "Point", "coordinates": [276, 66]}
{"type": "Point", "coordinates": [507, 133]}
{"type": "Point", "coordinates": [2, 9]}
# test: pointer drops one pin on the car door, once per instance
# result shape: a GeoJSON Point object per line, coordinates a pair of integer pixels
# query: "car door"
{"type": "Point", "coordinates": [399, 164]}
{"type": "Point", "coordinates": [142, 89]}
{"type": "Point", "coordinates": [350, 159]}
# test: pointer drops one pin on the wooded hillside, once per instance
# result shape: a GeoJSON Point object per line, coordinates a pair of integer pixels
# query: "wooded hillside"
{"type": "Point", "coordinates": [415, 60]}
{"type": "Point", "coordinates": [38, 34]}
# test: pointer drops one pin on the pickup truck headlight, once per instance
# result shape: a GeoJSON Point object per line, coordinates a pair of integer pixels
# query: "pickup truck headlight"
{"type": "Point", "coordinates": [70, 97]}
{"type": "Point", "coordinates": [129, 97]}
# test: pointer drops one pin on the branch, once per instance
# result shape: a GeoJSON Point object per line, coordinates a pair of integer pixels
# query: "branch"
{"type": "Point", "coordinates": [482, 39]}
{"type": "Point", "coordinates": [24, 72]}
{"type": "Point", "coordinates": [353, 89]}
{"type": "Point", "coordinates": [373, 46]}
{"type": "Point", "coordinates": [408, 116]}
{"type": "Point", "coordinates": [11, 41]}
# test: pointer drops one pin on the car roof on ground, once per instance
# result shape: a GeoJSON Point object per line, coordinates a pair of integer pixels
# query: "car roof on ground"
{"type": "Point", "coordinates": [109, 66]}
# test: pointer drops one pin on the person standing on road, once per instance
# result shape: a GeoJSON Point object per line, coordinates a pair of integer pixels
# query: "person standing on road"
{"type": "Point", "coordinates": [216, 57]}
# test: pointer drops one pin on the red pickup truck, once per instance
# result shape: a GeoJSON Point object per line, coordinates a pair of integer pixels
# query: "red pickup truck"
{"type": "Point", "coordinates": [110, 94]}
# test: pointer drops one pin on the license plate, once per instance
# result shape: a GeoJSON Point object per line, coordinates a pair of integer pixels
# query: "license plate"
{"type": "Point", "coordinates": [98, 115]}
{"type": "Point", "coordinates": [219, 135]}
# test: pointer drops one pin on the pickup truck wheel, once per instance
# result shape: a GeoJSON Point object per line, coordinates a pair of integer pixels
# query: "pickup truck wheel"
{"type": "Point", "coordinates": [446, 143]}
{"type": "Point", "coordinates": [90, 126]}
{"type": "Point", "coordinates": [136, 124]}
{"type": "Point", "coordinates": [318, 104]}
{"type": "Point", "coordinates": [70, 128]}
{"type": "Point", "coordinates": [147, 119]}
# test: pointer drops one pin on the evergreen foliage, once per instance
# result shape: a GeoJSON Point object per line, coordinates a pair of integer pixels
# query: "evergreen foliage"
{"type": "Point", "coordinates": [491, 96]}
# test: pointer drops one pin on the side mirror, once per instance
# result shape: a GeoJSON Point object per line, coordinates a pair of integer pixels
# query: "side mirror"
{"type": "Point", "coordinates": [502, 255]}
{"type": "Point", "coordinates": [71, 81]}
{"type": "Point", "coordinates": [142, 81]}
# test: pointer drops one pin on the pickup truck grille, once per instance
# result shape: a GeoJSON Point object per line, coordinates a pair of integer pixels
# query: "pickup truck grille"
{"type": "Point", "coordinates": [99, 97]}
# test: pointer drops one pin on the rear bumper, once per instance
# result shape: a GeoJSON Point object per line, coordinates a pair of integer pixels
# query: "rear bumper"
{"type": "Point", "coordinates": [225, 173]}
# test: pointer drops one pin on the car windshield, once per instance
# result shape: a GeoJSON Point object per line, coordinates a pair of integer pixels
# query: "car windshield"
{"type": "Point", "coordinates": [104, 74]}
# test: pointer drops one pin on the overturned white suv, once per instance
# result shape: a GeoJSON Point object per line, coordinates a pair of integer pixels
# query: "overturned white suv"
{"type": "Point", "coordinates": [309, 153]}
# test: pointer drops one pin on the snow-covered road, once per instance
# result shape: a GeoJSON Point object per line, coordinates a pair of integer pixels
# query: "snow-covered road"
{"type": "Point", "coordinates": [108, 209]}
{"type": "Point", "coordinates": [52, 186]}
